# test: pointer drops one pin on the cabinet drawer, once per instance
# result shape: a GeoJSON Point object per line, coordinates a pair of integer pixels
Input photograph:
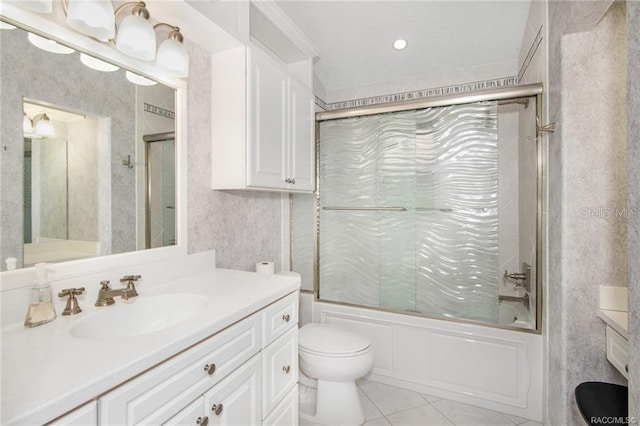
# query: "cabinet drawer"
{"type": "Point", "coordinates": [156, 396]}
{"type": "Point", "coordinates": [279, 317]}
{"type": "Point", "coordinates": [286, 413]}
{"type": "Point", "coordinates": [618, 351]}
{"type": "Point", "coordinates": [279, 370]}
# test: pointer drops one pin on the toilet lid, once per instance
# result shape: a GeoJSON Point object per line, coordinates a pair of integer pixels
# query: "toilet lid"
{"type": "Point", "coordinates": [329, 339]}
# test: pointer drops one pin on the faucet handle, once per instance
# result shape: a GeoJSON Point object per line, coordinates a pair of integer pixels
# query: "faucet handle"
{"type": "Point", "coordinates": [105, 285]}
{"type": "Point", "coordinates": [72, 303]}
{"type": "Point", "coordinates": [130, 278]}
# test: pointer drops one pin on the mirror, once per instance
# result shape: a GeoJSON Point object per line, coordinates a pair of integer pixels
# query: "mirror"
{"type": "Point", "coordinates": [103, 181]}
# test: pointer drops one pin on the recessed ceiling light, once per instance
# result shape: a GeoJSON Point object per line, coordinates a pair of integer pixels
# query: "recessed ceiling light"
{"type": "Point", "coordinates": [399, 44]}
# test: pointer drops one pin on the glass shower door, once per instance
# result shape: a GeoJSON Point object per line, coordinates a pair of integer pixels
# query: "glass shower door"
{"type": "Point", "coordinates": [161, 198]}
{"type": "Point", "coordinates": [408, 211]}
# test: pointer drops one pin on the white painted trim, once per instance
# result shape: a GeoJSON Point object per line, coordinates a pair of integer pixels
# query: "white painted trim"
{"type": "Point", "coordinates": [272, 11]}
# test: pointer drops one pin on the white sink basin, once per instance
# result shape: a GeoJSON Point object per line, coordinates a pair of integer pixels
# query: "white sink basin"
{"type": "Point", "coordinates": [142, 315]}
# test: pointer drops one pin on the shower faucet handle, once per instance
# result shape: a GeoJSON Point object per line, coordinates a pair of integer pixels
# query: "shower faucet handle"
{"type": "Point", "coordinates": [522, 279]}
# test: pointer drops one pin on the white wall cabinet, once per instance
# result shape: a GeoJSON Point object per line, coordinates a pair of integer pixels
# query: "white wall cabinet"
{"type": "Point", "coordinates": [263, 124]}
{"type": "Point", "coordinates": [245, 375]}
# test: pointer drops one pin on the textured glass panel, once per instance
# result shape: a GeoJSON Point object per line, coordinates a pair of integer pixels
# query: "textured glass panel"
{"type": "Point", "coordinates": [457, 230]}
{"type": "Point", "coordinates": [396, 159]}
{"type": "Point", "coordinates": [439, 255]}
{"type": "Point", "coordinates": [302, 239]}
{"type": "Point", "coordinates": [397, 260]}
{"type": "Point", "coordinates": [349, 161]}
{"type": "Point", "coordinates": [457, 261]}
{"type": "Point", "coordinates": [349, 253]}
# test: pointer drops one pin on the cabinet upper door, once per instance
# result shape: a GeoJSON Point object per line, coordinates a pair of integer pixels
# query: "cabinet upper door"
{"type": "Point", "coordinates": [302, 131]}
{"type": "Point", "coordinates": [268, 123]}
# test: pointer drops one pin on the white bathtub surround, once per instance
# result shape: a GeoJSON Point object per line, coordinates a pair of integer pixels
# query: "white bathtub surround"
{"type": "Point", "coordinates": [488, 367]}
{"type": "Point", "coordinates": [75, 370]}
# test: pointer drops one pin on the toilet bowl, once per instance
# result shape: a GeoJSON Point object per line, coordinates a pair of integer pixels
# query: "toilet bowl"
{"type": "Point", "coordinates": [331, 359]}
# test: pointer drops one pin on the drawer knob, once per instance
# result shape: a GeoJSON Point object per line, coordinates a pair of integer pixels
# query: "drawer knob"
{"type": "Point", "coordinates": [203, 421]}
{"type": "Point", "coordinates": [286, 369]}
{"type": "Point", "coordinates": [210, 368]}
{"type": "Point", "coordinates": [286, 318]}
{"type": "Point", "coordinates": [626, 368]}
{"type": "Point", "coordinates": [217, 409]}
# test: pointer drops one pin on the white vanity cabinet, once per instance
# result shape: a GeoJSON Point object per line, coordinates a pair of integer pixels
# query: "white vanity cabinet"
{"type": "Point", "coordinates": [263, 124]}
{"type": "Point", "coordinates": [82, 416]}
{"type": "Point", "coordinates": [238, 376]}
{"type": "Point", "coordinates": [618, 351]}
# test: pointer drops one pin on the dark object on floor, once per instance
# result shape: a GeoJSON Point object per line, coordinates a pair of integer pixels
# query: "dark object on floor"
{"type": "Point", "coordinates": [603, 403]}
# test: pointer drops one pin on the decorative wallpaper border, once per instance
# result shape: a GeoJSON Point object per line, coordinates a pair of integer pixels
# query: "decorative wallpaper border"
{"type": "Point", "coordinates": [424, 93]}
{"type": "Point", "coordinates": [532, 51]}
{"type": "Point", "coordinates": [321, 104]}
{"type": "Point", "coordinates": [159, 111]}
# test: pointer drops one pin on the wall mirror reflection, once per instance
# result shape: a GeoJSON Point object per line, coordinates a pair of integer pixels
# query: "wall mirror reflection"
{"type": "Point", "coordinates": [88, 155]}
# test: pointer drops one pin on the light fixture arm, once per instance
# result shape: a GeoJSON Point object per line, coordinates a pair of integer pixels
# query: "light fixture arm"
{"type": "Point", "coordinates": [139, 9]}
{"type": "Point", "coordinates": [175, 33]}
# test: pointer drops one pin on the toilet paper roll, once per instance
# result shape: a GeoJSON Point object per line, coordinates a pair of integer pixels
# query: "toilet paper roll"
{"type": "Point", "coordinates": [265, 268]}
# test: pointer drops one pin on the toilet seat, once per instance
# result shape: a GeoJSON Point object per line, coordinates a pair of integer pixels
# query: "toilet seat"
{"type": "Point", "coordinates": [331, 341]}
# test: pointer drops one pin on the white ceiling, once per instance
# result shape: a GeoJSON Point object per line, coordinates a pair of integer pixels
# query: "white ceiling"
{"type": "Point", "coordinates": [354, 37]}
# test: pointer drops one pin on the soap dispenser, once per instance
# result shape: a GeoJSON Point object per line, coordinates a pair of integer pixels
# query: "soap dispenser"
{"type": "Point", "coordinates": [41, 309]}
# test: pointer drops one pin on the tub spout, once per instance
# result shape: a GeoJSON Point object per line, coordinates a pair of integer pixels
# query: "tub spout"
{"type": "Point", "coordinates": [524, 299]}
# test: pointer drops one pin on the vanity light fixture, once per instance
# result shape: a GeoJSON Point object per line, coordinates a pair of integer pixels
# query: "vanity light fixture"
{"type": "Point", "coordinates": [39, 6]}
{"type": "Point", "coordinates": [97, 64]}
{"type": "Point", "coordinates": [38, 127]}
{"type": "Point", "coordinates": [400, 44]}
{"type": "Point", "coordinates": [49, 45]}
{"type": "Point", "coordinates": [27, 124]}
{"type": "Point", "coordinates": [43, 126]}
{"type": "Point", "coordinates": [139, 80]}
{"type": "Point", "coordinates": [135, 35]}
{"type": "Point", "coordinates": [172, 54]}
{"type": "Point", "coordinates": [94, 18]}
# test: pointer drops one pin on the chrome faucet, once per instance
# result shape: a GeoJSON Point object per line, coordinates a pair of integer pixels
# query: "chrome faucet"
{"type": "Point", "coordinates": [106, 294]}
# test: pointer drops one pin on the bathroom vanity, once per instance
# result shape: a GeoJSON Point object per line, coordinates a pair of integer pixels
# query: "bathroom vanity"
{"type": "Point", "coordinates": [230, 358]}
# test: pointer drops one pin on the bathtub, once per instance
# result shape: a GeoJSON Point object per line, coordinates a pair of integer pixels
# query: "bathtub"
{"type": "Point", "coordinates": [489, 367]}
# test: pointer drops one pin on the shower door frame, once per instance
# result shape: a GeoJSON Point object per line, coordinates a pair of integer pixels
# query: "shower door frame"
{"type": "Point", "coordinates": [512, 94]}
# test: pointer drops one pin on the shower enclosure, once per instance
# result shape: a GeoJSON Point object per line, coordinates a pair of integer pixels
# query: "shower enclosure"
{"type": "Point", "coordinates": [161, 190]}
{"type": "Point", "coordinates": [422, 210]}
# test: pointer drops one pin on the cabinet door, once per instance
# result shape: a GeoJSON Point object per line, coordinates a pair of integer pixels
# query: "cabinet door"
{"type": "Point", "coordinates": [235, 401]}
{"type": "Point", "coordinates": [286, 413]}
{"type": "Point", "coordinates": [279, 370]}
{"type": "Point", "coordinates": [301, 137]}
{"type": "Point", "coordinates": [268, 123]}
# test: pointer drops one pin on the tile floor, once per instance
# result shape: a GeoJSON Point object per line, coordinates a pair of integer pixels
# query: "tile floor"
{"type": "Point", "coordinates": [386, 405]}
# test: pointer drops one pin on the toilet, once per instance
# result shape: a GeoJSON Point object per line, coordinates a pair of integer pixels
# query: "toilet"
{"type": "Point", "coordinates": [331, 359]}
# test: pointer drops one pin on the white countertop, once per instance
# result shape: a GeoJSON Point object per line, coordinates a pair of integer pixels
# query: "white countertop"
{"type": "Point", "coordinates": [618, 320]}
{"type": "Point", "coordinates": [47, 372]}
